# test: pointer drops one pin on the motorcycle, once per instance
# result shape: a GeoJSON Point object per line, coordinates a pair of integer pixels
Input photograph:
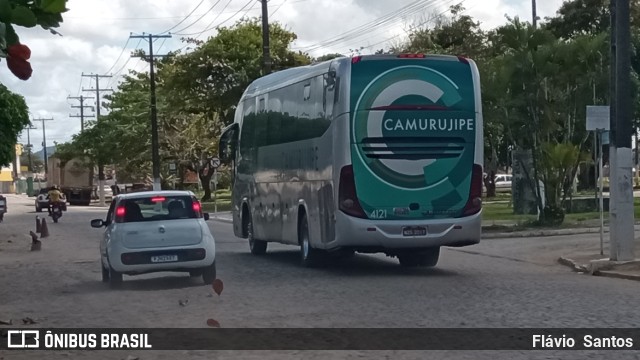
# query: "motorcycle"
{"type": "Point", "coordinates": [56, 211]}
{"type": "Point", "coordinates": [3, 207]}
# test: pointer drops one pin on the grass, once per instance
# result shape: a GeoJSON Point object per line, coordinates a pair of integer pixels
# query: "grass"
{"type": "Point", "coordinates": [223, 201]}
{"type": "Point", "coordinates": [498, 211]}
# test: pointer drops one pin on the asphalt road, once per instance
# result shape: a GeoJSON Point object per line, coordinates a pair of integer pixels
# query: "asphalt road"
{"type": "Point", "coordinates": [498, 283]}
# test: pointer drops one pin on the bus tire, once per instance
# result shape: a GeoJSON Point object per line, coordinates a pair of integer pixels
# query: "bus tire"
{"type": "Point", "coordinates": [309, 256]}
{"type": "Point", "coordinates": [257, 247]}
{"type": "Point", "coordinates": [427, 258]}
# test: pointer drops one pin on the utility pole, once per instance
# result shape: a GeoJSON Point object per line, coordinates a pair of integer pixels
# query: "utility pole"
{"type": "Point", "coordinates": [533, 13]}
{"type": "Point", "coordinates": [622, 216]}
{"type": "Point", "coordinates": [100, 164]}
{"type": "Point", "coordinates": [613, 203]}
{"type": "Point", "coordinates": [44, 146]}
{"type": "Point", "coordinates": [81, 107]}
{"type": "Point", "coordinates": [266, 57]}
{"type": "Point", "coordinates": [29, 146]}
{"type": "Point", "coordinates": [155, 151]}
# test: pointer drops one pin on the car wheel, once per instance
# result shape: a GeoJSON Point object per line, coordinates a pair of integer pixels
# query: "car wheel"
{"type": "Point", "coordinates": [209, 274]}
{"type": "Point", "coordinates": [427, 258]}
{"type": "Point", "coordinates": [309, 256]}
{"type": "Point", "coordinates": [105, 274]}
{"type": "Point", "coordinates": [115, 278]}
{"type": "Point", "coordinates": [258, 247]}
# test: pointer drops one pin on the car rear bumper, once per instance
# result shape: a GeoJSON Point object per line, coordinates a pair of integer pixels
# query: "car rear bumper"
{"type": "Point", "coordinates": [355, 232]}
{"type": "Point", "coordinates": [138, 261]}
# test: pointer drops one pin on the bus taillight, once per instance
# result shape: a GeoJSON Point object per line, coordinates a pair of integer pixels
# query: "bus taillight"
{"type": "Point", "coordinates": [474, 204]}
{"type": "Point", "coordinates": [347, 197]}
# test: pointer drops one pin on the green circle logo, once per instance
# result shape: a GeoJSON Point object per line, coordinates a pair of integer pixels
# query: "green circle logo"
{"type": "Point", "coordinates": [406, 134]}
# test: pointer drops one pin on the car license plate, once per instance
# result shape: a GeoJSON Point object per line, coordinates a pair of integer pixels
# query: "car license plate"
{"type": "Point", "coordinates": [2, 203]}
{"type": "Point", "coordinates": [414, 231]}
{"type": "Point", "coordinates": [164, 258]}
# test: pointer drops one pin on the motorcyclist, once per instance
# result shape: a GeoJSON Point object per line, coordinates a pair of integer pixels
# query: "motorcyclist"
{"type": "Point", "coordinates": [54, 197]}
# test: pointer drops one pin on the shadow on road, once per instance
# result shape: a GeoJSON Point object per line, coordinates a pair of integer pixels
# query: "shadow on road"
{"type": "Point", "coordinates": [137, 283]}
{"type": "Point", "coordinates": [359, 265]}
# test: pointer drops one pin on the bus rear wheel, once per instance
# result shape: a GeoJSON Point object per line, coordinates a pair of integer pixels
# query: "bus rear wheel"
{"type": "Point", "coordinates": [257, 247]}
{"type": "Point", "coordinates": [425, 258]}
{"type": "Point", "coordinates": [309, 256]}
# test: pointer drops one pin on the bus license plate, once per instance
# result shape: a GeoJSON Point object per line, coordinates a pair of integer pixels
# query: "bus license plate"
{"type": "Point", "coordinates": [164, 258]}
{"type": "Point", "coordinates": [414, 231]}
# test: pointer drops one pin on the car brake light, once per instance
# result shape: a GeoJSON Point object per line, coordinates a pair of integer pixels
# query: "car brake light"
{"type": "Point", "coordinates": [158, 199]}
{"type": "Point", "coordinates": [347, 197]}
{"type": "Point", "coordinates": [411, 56]}
{"type": "Point", "coordinates": [197, 208]}
{"type": "Point", "coordinates": [120, 211]}
{"type": "Point", "coordinates": [474, 203]}
{"type": "Point", "coordinates": [356, 59]}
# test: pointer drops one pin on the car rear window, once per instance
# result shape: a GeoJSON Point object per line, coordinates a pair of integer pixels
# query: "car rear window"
{"type": "Point", "coordinates": [157, 208]}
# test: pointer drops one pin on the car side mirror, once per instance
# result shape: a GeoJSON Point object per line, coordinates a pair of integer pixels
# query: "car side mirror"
{"type": "Point", "coordinates": [97, 223]}
{"type": "Point", "coordinates": [206, 216]}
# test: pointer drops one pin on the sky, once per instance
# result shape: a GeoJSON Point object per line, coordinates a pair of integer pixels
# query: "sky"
{"type": "Point", "coordinates": [95, 40]}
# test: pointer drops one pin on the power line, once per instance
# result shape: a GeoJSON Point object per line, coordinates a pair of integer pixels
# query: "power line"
{"type": "Point", "coordinates": [211, 28]}
{"type": "Point", "coordinates": [119, 56]}
{"type": "Point", "coordinates": [199, 18]}
{"type": "Point", "coordinates": [117, 73]}
{"type": "Point", "coordinates": [419, 25]}
{"type": "Point", "coordinates": [185, 18]}
{"type": "Point", "coordinates": [366, 28]}
{"type": "Point", "coordinates": [212, 21]}
{"type": "Point", "coordinates": [278, 8]}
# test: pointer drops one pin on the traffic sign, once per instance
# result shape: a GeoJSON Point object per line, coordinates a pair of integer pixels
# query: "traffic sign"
{"type": "Point", "coordinates": [597, 118]}
{"type": "Point", "coordinates": [215, 162]}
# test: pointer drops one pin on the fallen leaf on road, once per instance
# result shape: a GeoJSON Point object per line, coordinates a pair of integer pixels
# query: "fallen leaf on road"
{"type": "Point", "coordinates": [213, 323]}
{"type": "Point", "coordinates": [6, 322]}
{"type": "Point", "coordinates": [28, 321]}
{"type": "Point", "coordinates": [183, 302]}
{"type": "Point", "coordinates": [9, 241]}
{"type": "Point", "coordinates": [218, 286]}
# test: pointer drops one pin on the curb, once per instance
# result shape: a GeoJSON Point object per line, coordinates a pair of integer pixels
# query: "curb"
{"type": "Point", "coordinates": [221, 219]}
{"type": "Point", "coordinates": [617, 275]}
{"type": "Point", "coordinates": [572, 264]}
{"type": "Point", "coordinates": [602, 273]}
{"type": "Point", "coordinates": [550, 232]}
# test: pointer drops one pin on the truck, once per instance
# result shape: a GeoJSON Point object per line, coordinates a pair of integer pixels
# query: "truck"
{"type": "Point", "coordinates": [74, 177]}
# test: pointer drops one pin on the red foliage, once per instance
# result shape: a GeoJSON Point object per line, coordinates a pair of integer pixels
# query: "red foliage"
{"type": "Point", "coordinates": [20, 51]}
{"type": "Point", "coordinates": [17, 56]}
{"type": "Point", "coordinates": [218, 286]}
{"type": "Point", "coordinates": [213, 323]}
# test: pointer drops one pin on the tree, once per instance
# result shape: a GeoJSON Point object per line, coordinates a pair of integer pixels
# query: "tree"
{"type": "Point", "coordinates": [201, 89]}
{"type": "Point", "coordinates": [586, 17]}
{"type": "Point", "coordinates": [14, 117]}
{"type": "Point", "coordinates": [46, 13]}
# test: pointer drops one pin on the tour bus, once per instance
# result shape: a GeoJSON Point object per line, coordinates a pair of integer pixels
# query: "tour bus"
{"type": "Point", "coordinates": [376, 153]}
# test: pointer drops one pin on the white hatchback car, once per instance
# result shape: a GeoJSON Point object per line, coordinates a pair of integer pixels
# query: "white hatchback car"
{"type": "Point", "coordinates": [155, 231]}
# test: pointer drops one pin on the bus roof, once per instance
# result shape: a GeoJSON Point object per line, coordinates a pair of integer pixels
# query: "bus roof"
{"type": "Point", "coordinates": [294, 75]}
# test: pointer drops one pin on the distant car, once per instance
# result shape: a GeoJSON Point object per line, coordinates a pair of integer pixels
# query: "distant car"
{"type": "Point", "coordinates": [503, 181]}
{"type": "Point", "coordinates": [42, 200]}
{"type": "Point", "coordinates": [155, 231]}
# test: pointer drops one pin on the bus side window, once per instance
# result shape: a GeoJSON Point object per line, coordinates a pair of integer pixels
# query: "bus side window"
{"type": "Point", "coordinates": [307, 92]}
